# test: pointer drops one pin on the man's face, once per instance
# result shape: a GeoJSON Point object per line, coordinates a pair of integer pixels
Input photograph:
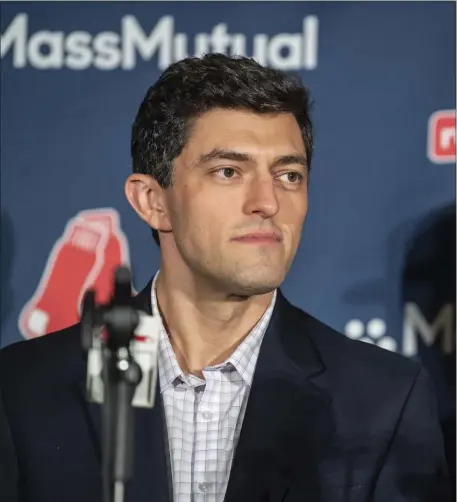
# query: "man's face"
{"type": "Point", "coordinates": [239, 199]}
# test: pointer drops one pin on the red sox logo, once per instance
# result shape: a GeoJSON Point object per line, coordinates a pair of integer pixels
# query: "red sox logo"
{"type": "Point", "coordinates": [441, 147]}
{"type": "Point", "coordinates": [86, 255]}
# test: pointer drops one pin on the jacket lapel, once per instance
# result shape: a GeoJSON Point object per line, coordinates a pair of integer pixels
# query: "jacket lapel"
{"type": "Point", "coordinates": [288, 422]}
{"type": "Point", "coordinates": [150, 473]}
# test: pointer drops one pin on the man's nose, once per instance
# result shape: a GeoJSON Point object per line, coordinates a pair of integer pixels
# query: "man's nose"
{"type": "Point", "coordinates": [262, 198]}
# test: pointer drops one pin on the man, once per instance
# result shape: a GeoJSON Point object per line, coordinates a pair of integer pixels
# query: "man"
{"type": "Point", "coordinates": [258, 401]}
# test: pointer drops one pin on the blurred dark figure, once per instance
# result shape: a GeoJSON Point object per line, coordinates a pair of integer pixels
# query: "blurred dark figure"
{"type": "Point", "coordinates": [429, 281]}
{"type": "Point", "coordinates": [7, 253]}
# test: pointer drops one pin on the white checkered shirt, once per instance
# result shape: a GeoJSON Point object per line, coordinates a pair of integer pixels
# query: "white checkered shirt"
{"type": "Point", "coordinates": [203, 417]}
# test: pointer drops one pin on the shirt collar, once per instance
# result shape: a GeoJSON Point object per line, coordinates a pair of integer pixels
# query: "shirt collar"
{"type": "Point", "coordinates": [243, 359]}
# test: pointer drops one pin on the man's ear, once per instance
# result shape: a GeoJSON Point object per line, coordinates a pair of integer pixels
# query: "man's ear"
{"type": "Point", "coordinates": [147, 198]}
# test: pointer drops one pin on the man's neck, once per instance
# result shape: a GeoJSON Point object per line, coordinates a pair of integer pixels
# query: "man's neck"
{"type": "Point", "coordinates": [205, 327]}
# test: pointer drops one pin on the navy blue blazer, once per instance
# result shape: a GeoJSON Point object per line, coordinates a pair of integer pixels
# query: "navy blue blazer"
{"type": "Point", "coordinates": [328, 420]}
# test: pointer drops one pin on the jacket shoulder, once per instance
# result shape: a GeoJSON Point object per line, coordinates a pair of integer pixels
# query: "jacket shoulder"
{"type": "Point", "coordinates": [42, 358]}
{"type": "Point", "coordinates": [354, 359]}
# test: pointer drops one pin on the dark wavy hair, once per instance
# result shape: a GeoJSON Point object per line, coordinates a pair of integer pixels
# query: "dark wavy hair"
{"type": "Point", "coordinates": [193, 86]}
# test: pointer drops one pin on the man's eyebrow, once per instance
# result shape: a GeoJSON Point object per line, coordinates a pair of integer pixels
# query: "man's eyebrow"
{"type": "Point", "coordinates": [219, 153]}
{"type": "Point", "coordinates": [223, 154]}
{"type": "Point", "coordinates": [287, 160]}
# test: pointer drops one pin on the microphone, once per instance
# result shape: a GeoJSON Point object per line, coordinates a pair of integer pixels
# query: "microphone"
{"type": "Point", "coordinates": [144, 350]}
{"type": "Point", "coordinates": [121, 343]}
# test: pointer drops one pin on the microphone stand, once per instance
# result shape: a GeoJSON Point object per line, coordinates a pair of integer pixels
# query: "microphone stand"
{"type": "Point", "coordinates": [120, 374]}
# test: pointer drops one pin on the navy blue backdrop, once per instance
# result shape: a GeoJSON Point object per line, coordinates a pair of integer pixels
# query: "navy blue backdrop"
{"type": "Point", "coordinates": [377, 259]}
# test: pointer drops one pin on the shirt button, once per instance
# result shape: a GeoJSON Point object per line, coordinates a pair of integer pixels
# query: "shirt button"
{"type": "Point", "coordinates": [203, 487]}
{"type": "Point", "coordinates": [207, 415]}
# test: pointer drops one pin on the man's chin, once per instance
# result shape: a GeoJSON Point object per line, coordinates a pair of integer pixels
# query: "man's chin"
{"type": "Point", "coordinates": [255, 286]}
{"type": "Point", "coordinates": [261, 290]}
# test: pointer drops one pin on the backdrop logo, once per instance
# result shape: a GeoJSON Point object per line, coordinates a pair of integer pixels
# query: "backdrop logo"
{"type": "Point", "coordinates": [374, 332]}
{"type": "Point", "coordinates": [85, 256]}
{"type": "Point", "coordinates": [417, 329]}
{"type": "Point", "coordinates": [110, 50]}
{"type": "Point", "coordinates": [442, 137]}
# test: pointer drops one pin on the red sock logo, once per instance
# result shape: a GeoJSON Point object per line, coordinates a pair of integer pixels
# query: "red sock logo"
{"type": "Point", "coordinates": [87, 254]}
{"type": "Point", "coordinates": [76, 256]}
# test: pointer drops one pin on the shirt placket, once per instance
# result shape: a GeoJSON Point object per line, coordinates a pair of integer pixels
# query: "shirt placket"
{"type": "Point", "coordinates": [182, 426]}
{"type": "Point", "coordinates": [206, 440]}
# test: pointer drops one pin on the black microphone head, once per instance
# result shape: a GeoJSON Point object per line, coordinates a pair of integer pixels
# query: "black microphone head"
{"type": "Point", "coordinates": [122, 286]}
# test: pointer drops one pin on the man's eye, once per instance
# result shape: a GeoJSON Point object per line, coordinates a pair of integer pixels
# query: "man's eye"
{"type": "Point", "coordinates": [292, 177]}
{"type": "Point", "coordinates": [226, 172]}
